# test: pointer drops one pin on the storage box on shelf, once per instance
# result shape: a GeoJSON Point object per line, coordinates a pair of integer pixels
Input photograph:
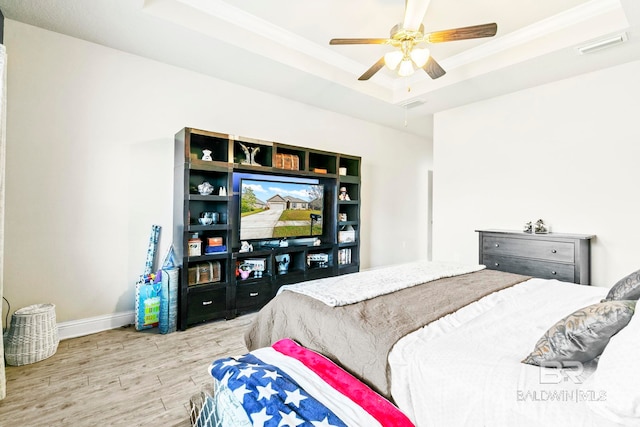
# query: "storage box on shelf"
{"type": "Point", "coordinates": [211, 285]}
{"type": "Point", "coordinates": [204, 272]}
{"type": "Point", "coordinates": [289, 157]}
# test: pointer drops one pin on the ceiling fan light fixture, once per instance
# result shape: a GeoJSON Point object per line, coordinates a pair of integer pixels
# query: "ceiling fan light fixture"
{"type": "Point", "coordinates": [408, 35]}
{"type": "Point", "coordinates": [406, 68]}
{"type": "Point", "coordinates": [420, 56]}
{"type": "Point", "coordinates": [392, 59]}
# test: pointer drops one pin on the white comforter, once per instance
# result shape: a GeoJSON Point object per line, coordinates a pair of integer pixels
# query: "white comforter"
{"type": "Point", "coordinates": [465, 370]}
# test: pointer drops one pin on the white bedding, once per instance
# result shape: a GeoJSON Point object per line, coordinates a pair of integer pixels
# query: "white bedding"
{"type": "Point", "coordinates": [465, 370]}
{"type": "Point", "coordinates": [351, 288]}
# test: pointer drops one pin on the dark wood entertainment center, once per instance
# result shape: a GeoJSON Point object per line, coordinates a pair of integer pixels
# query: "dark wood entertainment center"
{"type": "Point", "coordinates": [209, 285]}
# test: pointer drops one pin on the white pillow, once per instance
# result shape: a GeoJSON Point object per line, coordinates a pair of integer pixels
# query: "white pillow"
{"type": "Point", "coordinates": [618, 376]}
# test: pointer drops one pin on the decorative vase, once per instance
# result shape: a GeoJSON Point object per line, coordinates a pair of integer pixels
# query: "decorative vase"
{"type": "Point", "coordinates": [205, 188]}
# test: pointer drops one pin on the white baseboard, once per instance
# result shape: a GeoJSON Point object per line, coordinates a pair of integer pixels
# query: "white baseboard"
{"type": "Point", "coordinates": [91, 325]}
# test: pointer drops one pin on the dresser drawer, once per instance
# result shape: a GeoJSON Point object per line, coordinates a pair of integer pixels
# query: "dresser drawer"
{"type": "Point", "coordinates": [528, 248]}
{"type": "Point", "coordinates": [531, 267]}
{"type": "Point", "coordinates": [251, 297]}
{"type": "Point", "coordinates": [206, 304]}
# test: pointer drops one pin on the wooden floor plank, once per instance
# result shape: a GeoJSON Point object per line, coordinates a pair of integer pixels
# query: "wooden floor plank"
{"type": "Point", "coordinates": [120, 377]}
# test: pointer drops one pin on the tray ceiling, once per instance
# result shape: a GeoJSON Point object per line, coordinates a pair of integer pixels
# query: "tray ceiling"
{"type": "Point", "coordinates": [282, 46]}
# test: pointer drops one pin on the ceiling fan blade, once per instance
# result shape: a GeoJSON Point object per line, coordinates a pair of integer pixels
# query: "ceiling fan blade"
{"type": "Point", "coordinates": [374, 69]}
{"type": "Point", "coordinates": [414, 11]}
{"type": "Point", "coordinates": [463, 33]}
{"type": "Point", "coordinates": [358, 41]}
{"type": "Point", "coordinates": [433, 69]}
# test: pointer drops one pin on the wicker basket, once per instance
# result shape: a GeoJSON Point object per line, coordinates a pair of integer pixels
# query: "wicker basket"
{"type": "Point", "coordinates": [32, 335]}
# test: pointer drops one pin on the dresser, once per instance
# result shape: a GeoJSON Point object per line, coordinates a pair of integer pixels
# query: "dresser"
{"type": "Point", "coordinates": [566, 257]}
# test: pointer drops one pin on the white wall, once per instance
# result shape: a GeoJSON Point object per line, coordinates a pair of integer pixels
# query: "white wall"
{"type": "Point", "coordinates": [566, 152]}
{"type": "Point", "coordinates": [89, 166]}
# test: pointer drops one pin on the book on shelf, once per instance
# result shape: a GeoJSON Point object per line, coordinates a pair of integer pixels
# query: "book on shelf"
{"type": "Point", "coordinates": [344, 256]}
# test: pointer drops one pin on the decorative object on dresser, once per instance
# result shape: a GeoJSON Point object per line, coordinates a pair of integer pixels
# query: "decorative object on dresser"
{"type": "Point", "coordinates": [538, 227]}
{"type": "Point", "coordinates": [566, 257]}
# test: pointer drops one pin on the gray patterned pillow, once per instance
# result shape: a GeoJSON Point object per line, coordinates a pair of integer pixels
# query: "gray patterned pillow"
{"type": "Point", "coordinates": [583, 335]}
{"type": "Point", "coordinates": [627, 288]}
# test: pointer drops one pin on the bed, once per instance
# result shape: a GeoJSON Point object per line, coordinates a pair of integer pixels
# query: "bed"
{"type": "Point", "coordinates": [447, 344]}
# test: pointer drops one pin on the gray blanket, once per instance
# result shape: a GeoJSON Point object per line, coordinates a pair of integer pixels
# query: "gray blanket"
{"type": "Point", "coordinates": [360, 336]}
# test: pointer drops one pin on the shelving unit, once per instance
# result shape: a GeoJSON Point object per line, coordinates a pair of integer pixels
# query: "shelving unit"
{"type": "Point", "coordinates": [348, 251]}
{"type": "Point", "coordinates": [231, 294]}
{"type": "Point", "coordinates": [209, 300]}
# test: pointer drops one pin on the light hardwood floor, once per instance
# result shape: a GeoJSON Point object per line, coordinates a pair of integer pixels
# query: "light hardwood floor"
{"type": "Point", "coordinates": [120, 377]}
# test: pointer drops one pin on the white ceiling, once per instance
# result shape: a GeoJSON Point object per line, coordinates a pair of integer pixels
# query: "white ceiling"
{"type": "Point", "coordinates": [282, 46]}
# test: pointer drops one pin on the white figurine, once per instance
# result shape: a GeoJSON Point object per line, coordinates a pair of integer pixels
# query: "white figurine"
{"type": "Point", "coordinates": [254, 151]}
{"type": "Point", "coordinates": [250, 157]}
{"type": "Point", "coordinates": [247, 155]}
{"type": "Point", "coordinates": [343, 194]}
{"type": "Point", "coordinates": [207, 155]}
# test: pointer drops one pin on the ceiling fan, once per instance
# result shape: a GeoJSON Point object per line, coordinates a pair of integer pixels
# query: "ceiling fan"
{"type": "Point", "coordinates": [407, 38]}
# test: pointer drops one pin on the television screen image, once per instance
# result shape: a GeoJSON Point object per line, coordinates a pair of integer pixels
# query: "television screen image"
{"type": "Point", "coordinates": [273, 209]}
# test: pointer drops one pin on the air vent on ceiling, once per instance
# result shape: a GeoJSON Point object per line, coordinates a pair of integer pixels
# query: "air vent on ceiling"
{"type": "Point", "coordinates": [412, 103]}
{"type": "Point", "coordinates": [602, 43]}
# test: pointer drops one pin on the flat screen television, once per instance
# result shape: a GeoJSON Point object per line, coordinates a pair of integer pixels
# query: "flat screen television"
{"type": "Point", "coordinates": [275, 208]}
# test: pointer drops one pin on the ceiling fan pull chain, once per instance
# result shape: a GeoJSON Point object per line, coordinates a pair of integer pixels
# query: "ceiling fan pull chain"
{"type": "Point", "coordinates": [406, 118]}
{"type": "Point", "coordinates": [406, 105]}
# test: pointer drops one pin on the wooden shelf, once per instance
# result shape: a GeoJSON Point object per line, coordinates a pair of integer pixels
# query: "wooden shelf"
{"type": "Point", "coordinates": [233, 295]}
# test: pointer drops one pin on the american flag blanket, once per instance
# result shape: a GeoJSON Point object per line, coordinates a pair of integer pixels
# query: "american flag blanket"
{"type": "Point", "coordinates": [289, 385]}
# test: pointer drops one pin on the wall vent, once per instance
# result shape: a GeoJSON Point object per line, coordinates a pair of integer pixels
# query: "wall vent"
{"type": "Point", "coordinates": [412, 103]}
{"type": "Point", "coordinates": [602, 44]}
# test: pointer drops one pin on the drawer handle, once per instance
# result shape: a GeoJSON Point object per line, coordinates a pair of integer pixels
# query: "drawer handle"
{"type": "Point", "coordinates": [497, 264]}
{"type": "Point", "coordinates": [497, 245]}
{"type": "Point", "coordinates": [253, 294]}
{"type": "Point", "coordinates": [207, 302]}
{"type": "Point", "coordinates": [554, 273]}
{"type": "Point", "coordinates": [553, 251]}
